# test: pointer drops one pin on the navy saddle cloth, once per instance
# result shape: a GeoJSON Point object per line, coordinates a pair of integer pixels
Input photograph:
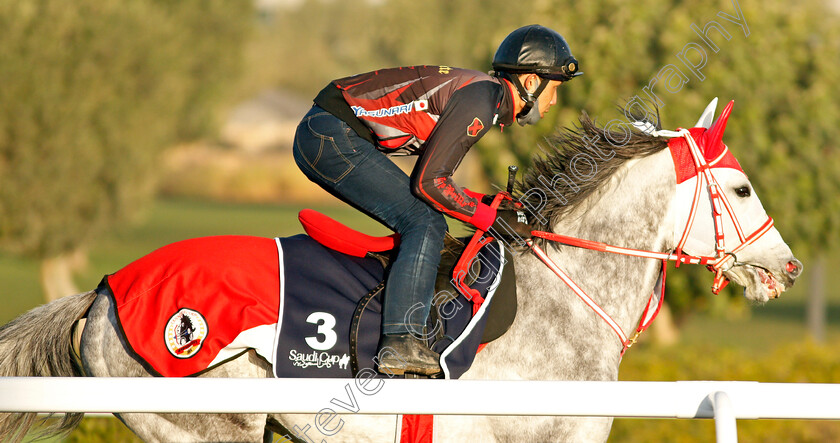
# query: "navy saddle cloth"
{"type": "Point", "coordinates": [320, 289]}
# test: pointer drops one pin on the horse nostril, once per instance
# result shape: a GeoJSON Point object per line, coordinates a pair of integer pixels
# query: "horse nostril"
{"type": "Point", "coordinates": [794, 268]}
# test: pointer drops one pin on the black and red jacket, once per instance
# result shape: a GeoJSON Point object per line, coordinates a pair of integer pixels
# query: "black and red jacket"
{"type": "Point", "coordinates": [435, 112]}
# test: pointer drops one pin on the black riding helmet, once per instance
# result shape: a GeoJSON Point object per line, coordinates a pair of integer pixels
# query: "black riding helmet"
{"type": "Point", "coordinates": [539, 50]}
{"type": "Point", "coordinates": [536, 49]}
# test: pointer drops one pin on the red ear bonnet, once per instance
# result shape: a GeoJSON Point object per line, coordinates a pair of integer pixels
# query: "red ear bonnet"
{"type": "Point", "coordinates": [710, 142]}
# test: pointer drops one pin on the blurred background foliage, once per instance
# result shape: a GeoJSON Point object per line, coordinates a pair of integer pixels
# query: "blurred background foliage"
{"type": "Point", "coordinates": [95, 96]}
{"type": "Point", "coordinates": [92, 92]}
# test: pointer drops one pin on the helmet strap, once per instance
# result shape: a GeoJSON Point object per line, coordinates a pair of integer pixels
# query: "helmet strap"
{"type": "Point", "coordinates": [530, 98]}
{"type": "Point", "coordinates": [532, 117]}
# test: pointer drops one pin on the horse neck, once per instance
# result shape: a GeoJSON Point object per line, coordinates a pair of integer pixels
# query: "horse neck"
{"type": "Point", "coordinates": [632, 210]}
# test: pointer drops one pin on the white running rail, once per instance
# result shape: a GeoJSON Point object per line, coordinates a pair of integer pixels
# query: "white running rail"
{"type": "Point", "coordinates": [723, 401]}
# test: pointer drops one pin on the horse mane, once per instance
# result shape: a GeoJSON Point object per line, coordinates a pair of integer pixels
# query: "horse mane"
{"type": "Point", "coordinates": [565, 182]}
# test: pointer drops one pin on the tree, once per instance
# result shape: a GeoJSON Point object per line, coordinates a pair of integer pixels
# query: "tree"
{"type": "Point", "coordinates": [777, 60]}
{"type": "Point", "coordinates": [92, 92]}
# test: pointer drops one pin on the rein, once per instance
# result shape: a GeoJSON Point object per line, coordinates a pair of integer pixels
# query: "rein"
{"type": "Point", "coordinates": [718, 264]}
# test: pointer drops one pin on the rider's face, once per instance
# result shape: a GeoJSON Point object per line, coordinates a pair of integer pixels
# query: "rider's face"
{"type": "Point", "coordinates": [548, 97]}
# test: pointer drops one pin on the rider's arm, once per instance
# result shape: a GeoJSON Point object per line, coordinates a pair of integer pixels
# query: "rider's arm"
{"type": "Point", "coordinates": [467, 117]}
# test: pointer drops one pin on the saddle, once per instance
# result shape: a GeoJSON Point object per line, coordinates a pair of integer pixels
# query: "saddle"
{"type": "Point", "coordinates": [336, 236]}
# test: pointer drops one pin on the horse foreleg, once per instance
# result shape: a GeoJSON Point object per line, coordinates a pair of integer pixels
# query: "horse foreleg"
{"type": "Point", "coordinates": [105, 354]}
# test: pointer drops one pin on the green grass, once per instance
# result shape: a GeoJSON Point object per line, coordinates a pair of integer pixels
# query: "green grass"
{"type": "Point", "coordinates": [19, 287]}
{"type": "Point", "coordinates": [174, 220]}
{"type": "Point", "coordinates": [168, 221]}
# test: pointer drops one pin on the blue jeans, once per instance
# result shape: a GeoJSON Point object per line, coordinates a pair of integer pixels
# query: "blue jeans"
{"type": "Point", "coordinates": [331, 154]}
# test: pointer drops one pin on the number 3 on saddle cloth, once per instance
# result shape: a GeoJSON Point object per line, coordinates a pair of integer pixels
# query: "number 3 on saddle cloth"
{"type": "Point", "coordinates": [195, 304]}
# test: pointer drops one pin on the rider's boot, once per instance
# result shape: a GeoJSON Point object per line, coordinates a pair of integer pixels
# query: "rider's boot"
{"type": "Point", "coordinates": [404, 353]}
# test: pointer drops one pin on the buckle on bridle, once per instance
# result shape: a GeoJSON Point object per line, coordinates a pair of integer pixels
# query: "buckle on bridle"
{"type": "Point", "coordinates": [720, 281]}
{"type": "Point", "coordinates": [724, 259]}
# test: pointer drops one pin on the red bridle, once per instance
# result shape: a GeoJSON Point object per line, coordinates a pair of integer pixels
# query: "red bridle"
{"type": "Point", "coordinates": [721, 262]}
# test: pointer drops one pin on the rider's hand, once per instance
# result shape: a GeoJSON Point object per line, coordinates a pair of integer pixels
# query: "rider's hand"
{"type": "Point", "coordinates": [511, 222]}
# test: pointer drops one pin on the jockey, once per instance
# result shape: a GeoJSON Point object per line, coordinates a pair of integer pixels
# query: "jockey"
{"type": "Point", "coordinates": [436, 113]}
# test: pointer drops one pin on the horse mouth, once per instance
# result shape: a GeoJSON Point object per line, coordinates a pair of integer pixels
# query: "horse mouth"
{"type": "Point", "coordinates": [760, 284]}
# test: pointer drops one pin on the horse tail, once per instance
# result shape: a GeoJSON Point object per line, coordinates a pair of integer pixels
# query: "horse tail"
{"type": "Point", "coordinates": [39, 344]}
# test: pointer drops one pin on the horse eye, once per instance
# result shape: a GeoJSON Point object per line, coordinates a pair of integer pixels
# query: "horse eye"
{"type": "Point", "coordinates": [743, 191]}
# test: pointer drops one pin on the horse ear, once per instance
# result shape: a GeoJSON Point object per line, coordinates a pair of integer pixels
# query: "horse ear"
{"type": "Point", "coordinates": [714, 135]}
{"type": "Point", "coordinates": [708, 114]}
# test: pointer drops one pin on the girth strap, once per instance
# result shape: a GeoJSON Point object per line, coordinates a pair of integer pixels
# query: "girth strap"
{"type": "Point", "coordinates": [354, 326]}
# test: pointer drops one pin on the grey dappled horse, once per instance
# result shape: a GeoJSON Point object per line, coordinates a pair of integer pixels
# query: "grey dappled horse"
{"type": "Point", "coordinates": [627, 197]}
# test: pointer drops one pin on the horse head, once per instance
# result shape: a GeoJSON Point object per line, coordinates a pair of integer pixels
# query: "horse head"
{"type": "Point", "coordinates": [655, 194]}
{"type": "Point", "coordinates": [718, 213]}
